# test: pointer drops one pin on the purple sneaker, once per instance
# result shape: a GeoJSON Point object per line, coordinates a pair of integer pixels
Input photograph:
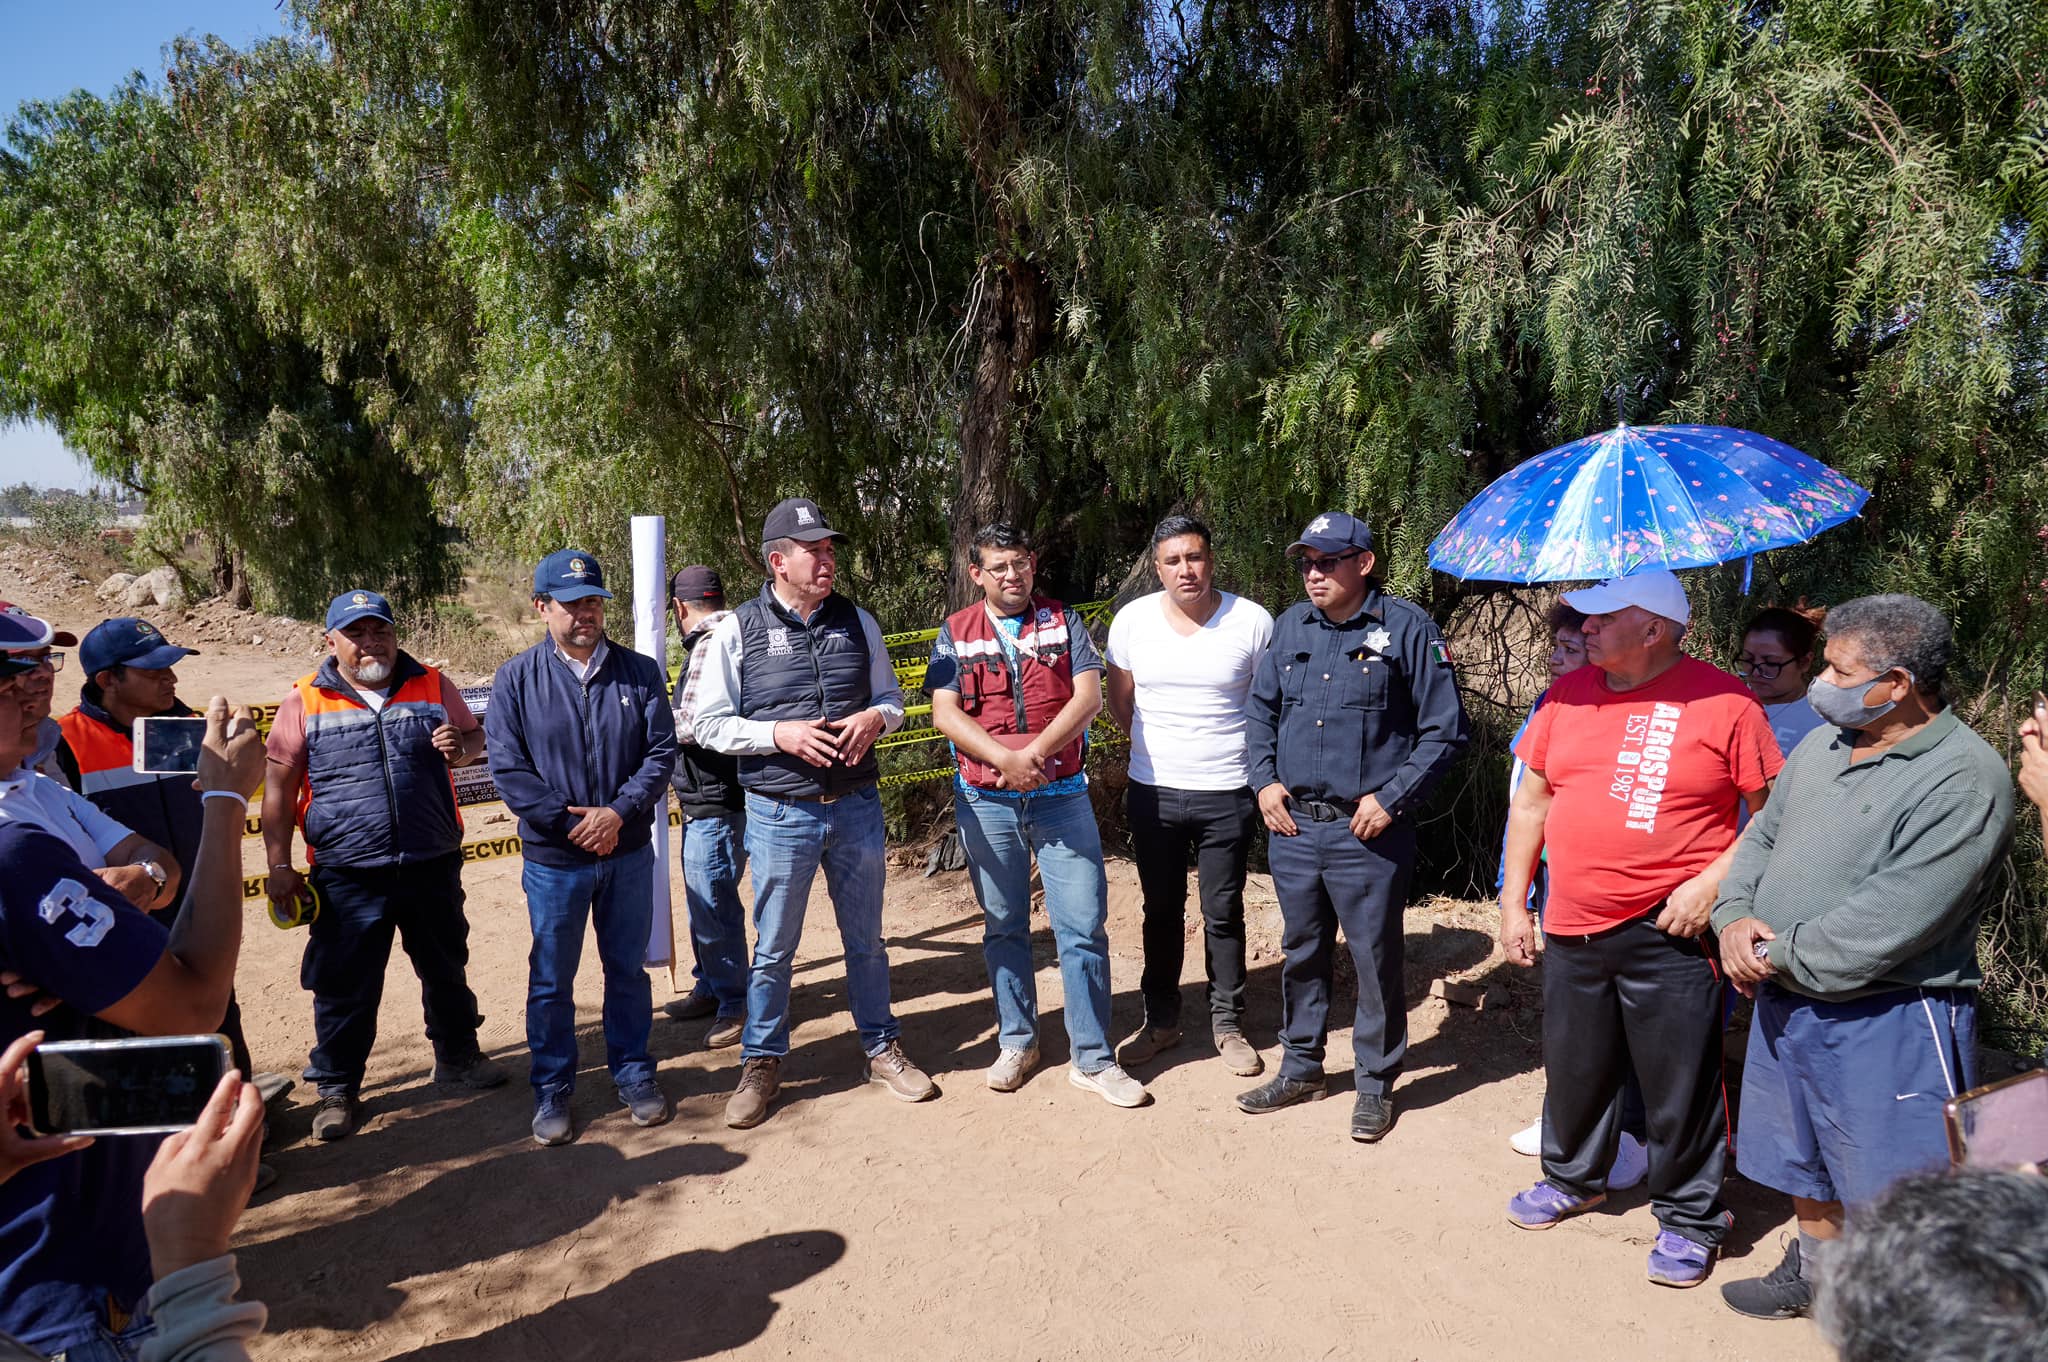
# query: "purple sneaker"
{"type": "Point", "coordinates": [1547, 1203]}
{"type": "Point", "coordinates": [1677, 1261]}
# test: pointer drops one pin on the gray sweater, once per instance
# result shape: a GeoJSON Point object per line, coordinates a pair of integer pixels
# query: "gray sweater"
{"type": "Point", "coordinates": [1874, 874]}
{"type": "Point", "coordinates": [198, 1318]}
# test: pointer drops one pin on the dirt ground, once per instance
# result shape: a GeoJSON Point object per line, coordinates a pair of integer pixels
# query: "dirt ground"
{"type": "Point", "coordinates": [1040, 1224]}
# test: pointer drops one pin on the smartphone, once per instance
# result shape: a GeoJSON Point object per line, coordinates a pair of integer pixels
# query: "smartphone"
{"type": "Point", "coordinates": [168, 744]}
{"type": "Point", "coordinates": [2000, 1125]}
{"type": "Point", "coordinates": [151, 1085]}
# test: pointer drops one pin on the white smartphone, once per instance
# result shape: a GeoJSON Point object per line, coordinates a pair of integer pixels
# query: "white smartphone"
{"type": "Point", "coordinates": [168, 744]}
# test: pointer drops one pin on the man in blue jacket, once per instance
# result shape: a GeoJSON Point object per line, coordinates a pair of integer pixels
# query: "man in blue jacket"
{"type": "Point", "coordinates": [581, 746]}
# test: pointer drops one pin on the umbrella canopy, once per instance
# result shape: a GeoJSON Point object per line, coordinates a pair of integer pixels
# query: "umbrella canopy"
{"type": "Point", "coordinates": [1644, 497]}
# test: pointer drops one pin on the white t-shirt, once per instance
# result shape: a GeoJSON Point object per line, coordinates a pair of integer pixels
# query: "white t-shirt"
{"type": "Point", "coordinates": [1187, 728]}
{"type": "Point", "coordinates": [27, 797]}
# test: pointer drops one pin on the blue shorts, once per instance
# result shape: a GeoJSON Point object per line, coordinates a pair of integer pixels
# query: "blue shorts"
{"type": "Point", "coordinates": [1842, 1099]}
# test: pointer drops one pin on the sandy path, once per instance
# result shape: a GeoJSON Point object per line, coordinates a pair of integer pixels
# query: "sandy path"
{"type": "Point", "coordinates": [1042, 1224]}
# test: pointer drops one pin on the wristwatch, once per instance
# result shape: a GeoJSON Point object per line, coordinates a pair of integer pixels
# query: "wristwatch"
{"type": "Point", "coordinates": [155, 872]}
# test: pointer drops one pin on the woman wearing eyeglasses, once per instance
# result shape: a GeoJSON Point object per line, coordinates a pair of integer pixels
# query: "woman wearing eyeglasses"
{"type": "Point", "coordinates": [1777, 653]}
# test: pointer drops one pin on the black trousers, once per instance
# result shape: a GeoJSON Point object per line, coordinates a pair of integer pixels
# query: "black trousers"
{"type": "Point", "coordinates": [1634, 995]}
{"type": "Point", "coordinates": [1326, 878]}
{"type": "Point", "coordinates": [349, 945]}
{"type": "Point", "coordinates": [1216, 827]}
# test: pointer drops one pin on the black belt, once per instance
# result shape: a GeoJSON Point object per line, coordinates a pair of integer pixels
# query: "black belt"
{"type": "Point", "coordinates": [1326, 810]}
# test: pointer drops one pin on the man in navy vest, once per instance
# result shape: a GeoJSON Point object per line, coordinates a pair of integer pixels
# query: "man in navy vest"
{"type": "Point", "coordinates": [1015, 681]}
{"type": "Point", "coordinates": [798, 686]}
{"type": "Point", "coordinates": [360, 752]}
{"type": "Point", "coordinates": [582, 743]}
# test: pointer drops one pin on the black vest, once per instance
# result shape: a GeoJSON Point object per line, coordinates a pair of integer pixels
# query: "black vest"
{"type": "Point", "coordinates": [793, 670]}
{"type": "Point", "coordinates": [705, 782]}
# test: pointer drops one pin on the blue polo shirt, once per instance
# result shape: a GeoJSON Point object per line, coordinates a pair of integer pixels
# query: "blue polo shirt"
{"type": "Point", "coordinates": [71, 1238]}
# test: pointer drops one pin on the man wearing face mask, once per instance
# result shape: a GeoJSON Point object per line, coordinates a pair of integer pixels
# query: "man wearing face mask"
{"type": "Point", "coordinates": [1850, 913]}
{"type": "Point", "coordinates": [359, 752]}
{"type": "Point", "coordinates": [1637, 765]}
{"type": "Point", "coordinates": [582, 746]}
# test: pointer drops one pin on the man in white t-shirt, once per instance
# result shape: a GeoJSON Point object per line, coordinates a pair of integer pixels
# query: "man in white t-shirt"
{"type": "Point", "coordinates": [1180, 663]}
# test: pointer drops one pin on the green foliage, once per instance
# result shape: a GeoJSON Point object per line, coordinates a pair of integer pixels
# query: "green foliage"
{"type": "Point", "coordinates": [133, 331]}
{"type": "Point", "coordinates": [69, 519]}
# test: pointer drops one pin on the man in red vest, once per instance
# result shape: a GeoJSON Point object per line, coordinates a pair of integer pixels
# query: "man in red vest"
{"type": "Point", "coordinates": [1015, 681]}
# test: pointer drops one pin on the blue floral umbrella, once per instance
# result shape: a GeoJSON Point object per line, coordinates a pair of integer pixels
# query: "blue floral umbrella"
{"type": "Point", "coordinates": [1644, 496]}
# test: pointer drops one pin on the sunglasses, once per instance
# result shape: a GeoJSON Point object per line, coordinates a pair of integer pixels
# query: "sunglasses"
{"type": "Point", "coordinates": [1761, 667]}
{"type": "Point", "coordinates": [1308, 563]}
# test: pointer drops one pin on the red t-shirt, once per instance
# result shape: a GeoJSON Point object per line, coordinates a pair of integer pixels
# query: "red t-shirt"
{"type": "Point", "coordinates": [1646, 786]}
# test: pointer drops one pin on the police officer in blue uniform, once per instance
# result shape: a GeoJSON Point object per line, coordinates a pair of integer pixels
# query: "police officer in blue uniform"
{"type": "Point", "coordinates": [1353, 717]}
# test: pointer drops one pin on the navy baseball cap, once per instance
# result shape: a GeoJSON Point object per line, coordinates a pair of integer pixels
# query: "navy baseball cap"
{"type": "Point", "coordinates": [1333, 532]}
{"type": "Point", "coordinates": [351, 606]}
{"type": "Point", "coordinates": [128, 642]}
{"type": "Point", "coordinates": [569, 575]}
{"type": "Point", "coordinates": [797, 518]}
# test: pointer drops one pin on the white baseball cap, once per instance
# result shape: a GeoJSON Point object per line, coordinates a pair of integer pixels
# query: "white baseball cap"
{"type": "Point", "coordinates": [1656, 591]}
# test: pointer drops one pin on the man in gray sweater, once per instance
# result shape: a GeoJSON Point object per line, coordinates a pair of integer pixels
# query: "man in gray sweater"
{"type": "Point", "coordinates": [1850, 914]}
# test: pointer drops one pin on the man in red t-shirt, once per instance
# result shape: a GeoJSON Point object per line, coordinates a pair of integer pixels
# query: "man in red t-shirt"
{"type": "Point", "coordinates": [1637, 764]}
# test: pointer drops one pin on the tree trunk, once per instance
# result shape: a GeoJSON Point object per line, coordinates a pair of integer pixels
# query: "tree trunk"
{"type": "Point", "coordinates": [1012, 332]}
{"type": "Point", "coordinates": [1011, 326]}
{"type": "Point", "coordinates": [230, 575]}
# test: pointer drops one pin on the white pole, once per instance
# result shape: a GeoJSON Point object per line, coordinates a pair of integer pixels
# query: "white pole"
{"type": "Point", "coordinates": [650, 636]}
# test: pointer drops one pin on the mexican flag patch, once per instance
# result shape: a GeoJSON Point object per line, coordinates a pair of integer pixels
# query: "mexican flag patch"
{"type": "Point", "coordinates": [1441, 651]}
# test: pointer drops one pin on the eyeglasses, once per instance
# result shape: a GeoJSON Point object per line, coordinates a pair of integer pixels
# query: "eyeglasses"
{"type": "Point", "coordinates": [1308, 563]}
{"type": "Point", "coordinates": [1763, 668]}
{"type": "Point", "coordinates": [53, 660]}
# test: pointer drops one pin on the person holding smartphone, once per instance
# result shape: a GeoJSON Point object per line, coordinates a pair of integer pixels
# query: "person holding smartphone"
{"type": "Point", "coordinates": [74, 1257]}
{"type": "Point", "coordinates": [130, 674]}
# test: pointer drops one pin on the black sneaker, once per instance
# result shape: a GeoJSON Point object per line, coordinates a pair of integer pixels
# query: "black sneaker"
{"type": "Point", "coordinates": [1780, 1294]}
{"type": "Point", "coordinates": [1281, 1091]}
{"type": "Point", "coordinates": [1372, 1117]}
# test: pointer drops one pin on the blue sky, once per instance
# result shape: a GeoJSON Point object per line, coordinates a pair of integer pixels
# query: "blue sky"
{"type": "Point", "coordinates": [48, 48]}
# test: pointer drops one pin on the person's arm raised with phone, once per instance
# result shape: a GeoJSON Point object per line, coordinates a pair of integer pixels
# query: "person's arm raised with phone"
{"type": "Point", "coordinates": [188, 988]}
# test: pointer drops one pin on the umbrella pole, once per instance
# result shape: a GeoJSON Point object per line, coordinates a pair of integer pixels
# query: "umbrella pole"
{"type": "Point", "coordinates": [1748, 567]}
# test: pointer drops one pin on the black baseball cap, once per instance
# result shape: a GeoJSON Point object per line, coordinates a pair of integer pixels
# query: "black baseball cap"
{"type": "Point", "coordinates": [697, 583]}
{"type": "Point", "coordinates": [1333, 532]}
{"type": "Point", "coordinates": [797, 518]}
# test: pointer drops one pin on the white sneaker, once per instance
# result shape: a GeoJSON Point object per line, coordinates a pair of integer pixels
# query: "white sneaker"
{"type": "Point", "coordinates": [1631, 1164]}
{"type": "Point", "coordinates": [1007, 1073]}
{"type": "Point", "coordinates": [1528, 1140]}
{"type": "Point", "coordinates": [1115, 1086]}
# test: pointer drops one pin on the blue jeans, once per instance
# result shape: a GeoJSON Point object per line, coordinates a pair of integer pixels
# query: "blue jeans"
{"type": "Point", "coordinates": [125, 1346]}
{"type": "Point", "coordinates": [787, 841]}
{"type": "Point", "coordinates": [1000, 836]}
{"type": "Point", "coordinates": [617, 894]}
{"type": "Point", "coordinates": [714, 858]}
